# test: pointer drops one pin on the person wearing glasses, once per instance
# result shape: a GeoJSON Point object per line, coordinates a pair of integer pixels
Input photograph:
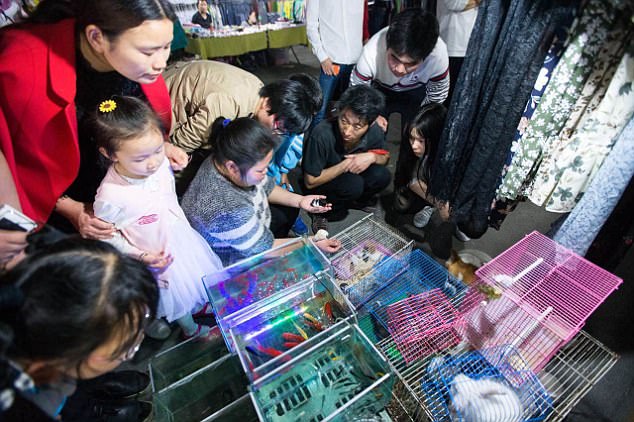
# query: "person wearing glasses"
{"type": "Point", "coordinates": [201, 91]}
{"type": "Point", "coordinates": [408, 62]}
{"type": "Point", "coordinates": [344, 157]}
{"type": "Point", "coordinates": [70, 312]}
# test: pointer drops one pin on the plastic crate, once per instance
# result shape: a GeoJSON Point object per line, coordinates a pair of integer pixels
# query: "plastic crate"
{"type": "Point", "coordinates": [341, 378]}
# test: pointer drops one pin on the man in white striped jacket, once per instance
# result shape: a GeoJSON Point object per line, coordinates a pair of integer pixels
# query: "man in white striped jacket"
{"type": "Point", "coordinates": [408, 62]}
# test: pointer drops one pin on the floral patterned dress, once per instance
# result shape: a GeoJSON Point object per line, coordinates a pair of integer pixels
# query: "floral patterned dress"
{"type": "Point", "coordinates": [574, 160]}
{"type": "Point", "coordinates": [578, 83]}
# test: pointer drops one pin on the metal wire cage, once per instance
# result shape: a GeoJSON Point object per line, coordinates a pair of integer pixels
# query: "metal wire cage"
{"type": "Point", "coordinates": [420, 307]}
{"type": "Point", "coordinates": [557, 286]}
{"type": "Point", "coordinates": [567, 377]}
{"type": "Point", "coordinates": [486, 385]}
{"type": "Point", "coordinates": [367, 246]}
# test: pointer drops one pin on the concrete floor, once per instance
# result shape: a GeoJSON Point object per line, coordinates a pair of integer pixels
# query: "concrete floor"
{"type": "Point", "coordinates": [612, 399]}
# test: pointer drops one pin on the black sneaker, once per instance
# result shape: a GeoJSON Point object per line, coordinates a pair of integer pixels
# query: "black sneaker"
{"type": "Point", "coordinates": [117, 385]}
{"type": "Point", "coordinates": [158, 329]}
{"type": "Point", "coordinates": [319, 222]}
{"type": "Point", "coordinates": [115, 411]}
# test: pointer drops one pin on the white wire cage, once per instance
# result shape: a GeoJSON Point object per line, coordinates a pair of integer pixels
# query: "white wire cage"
{"type": "Point", "coordinates": [367, 245]}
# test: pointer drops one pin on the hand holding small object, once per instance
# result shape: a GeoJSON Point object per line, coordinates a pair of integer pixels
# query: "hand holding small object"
{"type": "Point", "coordinates": [308, 203]}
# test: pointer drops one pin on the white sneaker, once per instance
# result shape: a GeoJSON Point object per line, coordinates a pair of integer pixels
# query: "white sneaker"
{"type": "Point", "coordinates": [421, 218]}
{"type": "Point", "coordinates": [460, 235]}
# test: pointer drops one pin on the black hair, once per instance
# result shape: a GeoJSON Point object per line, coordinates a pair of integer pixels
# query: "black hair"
{"type": "Point", "coordinates": [64, 302]}
{"type": "Point", "coordinates": [313, 90]}
{"type": "Point", "coordinates": [413, 32]}
{"type": "Point", "coordinates": [364, 101]}
{"type": "Point", "coordinates": [429, 122]}
{"type": "Point", "coordinates": [294, 101]}
{"type": "Point", "coordinates": [113, 16]}
{"type": "Point", "coordinates": [129, 119]}
{"type": "Point", "coordinates": [243, 140]}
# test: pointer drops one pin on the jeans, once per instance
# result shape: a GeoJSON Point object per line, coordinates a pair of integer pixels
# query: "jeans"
{"type": "Point", "coordinates": [407, 104]}
{"type": "Point", "coordinates": [332, 86]}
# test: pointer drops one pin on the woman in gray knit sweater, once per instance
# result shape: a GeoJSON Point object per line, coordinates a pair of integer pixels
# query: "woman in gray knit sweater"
{"type": "Point", "coordinates": [228, 200]}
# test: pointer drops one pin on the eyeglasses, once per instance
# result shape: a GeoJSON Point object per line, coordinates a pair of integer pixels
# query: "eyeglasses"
{"type": "Point", "coordinates": [278, 127]}
{"type": "Point", "coordinates": [408, 67]}
{"type": "Point", "coordinates": [132, 351]}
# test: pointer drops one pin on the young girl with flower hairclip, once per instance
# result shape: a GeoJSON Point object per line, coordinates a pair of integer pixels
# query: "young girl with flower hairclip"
{"type": "Point", "coordinates": [138, 196]}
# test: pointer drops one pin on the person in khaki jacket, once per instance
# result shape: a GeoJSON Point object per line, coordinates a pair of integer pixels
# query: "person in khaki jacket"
{"type": "Point", "coordinates": [204, 90]}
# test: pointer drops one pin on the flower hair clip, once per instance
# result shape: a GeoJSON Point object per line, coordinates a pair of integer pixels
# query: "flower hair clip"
{"type": "Point", "coordinates": [107, 106]}
{"type": "Point", "coordinates": [225, 122]}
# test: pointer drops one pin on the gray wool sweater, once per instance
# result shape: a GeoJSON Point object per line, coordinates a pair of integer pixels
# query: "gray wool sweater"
{"type": "Point", "coordinates": [235, 221]}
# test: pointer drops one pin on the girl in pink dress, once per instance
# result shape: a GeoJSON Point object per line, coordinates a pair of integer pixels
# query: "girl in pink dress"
{"type": "Point", "coordinates": [138, 197]}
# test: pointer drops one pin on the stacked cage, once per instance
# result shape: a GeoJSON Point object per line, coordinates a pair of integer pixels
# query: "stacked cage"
{"type": "Point", "coordinates": [448, 341]}
{"type": "Point", "coordinates": [295, 334]}
{"type": "Point", "coordinates": [549, 292]}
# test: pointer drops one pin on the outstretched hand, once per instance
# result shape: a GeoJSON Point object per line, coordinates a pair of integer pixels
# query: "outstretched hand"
{"type": "Point", "coordinates": [306, 204]}
{"type": "Point", "coordinates": [329, 245]}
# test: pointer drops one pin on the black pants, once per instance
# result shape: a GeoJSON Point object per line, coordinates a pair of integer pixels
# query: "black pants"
{"type": "Point", "coordinates": [282, 220]}
{"type": "Point", "coordinates": [348, 187]}
{"type": "Point", "coordinates": [407, 104]}
{"type": "Point", "coordinates": [455, 63]}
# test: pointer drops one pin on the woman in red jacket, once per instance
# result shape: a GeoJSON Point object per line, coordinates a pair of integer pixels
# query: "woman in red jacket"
{"type": "Point", "coordinates": [71, 54]}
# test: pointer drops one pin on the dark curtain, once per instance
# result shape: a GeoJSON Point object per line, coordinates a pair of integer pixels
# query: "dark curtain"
{"type": "Point", "coordinates": [506, 51]}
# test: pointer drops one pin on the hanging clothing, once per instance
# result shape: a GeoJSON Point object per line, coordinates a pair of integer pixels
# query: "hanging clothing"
{"type": "Point", "coordinates": [596, 205]}
{"type": "Point", "coordinates": [506, 52]}
{"type": "Point", "coordinates": [594, 30]}
{"type": "Point", "coordinates": [575, 160]}
{"type": "Point", "coordinates": [503, 206]}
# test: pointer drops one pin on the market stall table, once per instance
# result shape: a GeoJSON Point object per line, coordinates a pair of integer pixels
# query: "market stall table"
{"type": "Point", "coordinates": [212, 47]}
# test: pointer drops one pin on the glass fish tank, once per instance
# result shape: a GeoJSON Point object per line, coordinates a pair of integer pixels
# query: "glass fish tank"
{"type": "Point", "coordinates": [258, 277]}
{"type": "Point", "coordinates": [175, 363]}
{"type": "Point", "coordinates": [341, 378]}
{"type": "Point", "coordinates": [264, 334]}
{"type": "Point", "coordinates": [201, 395]}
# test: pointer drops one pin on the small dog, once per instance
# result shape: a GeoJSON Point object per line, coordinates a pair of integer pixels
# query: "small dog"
{"type": "Point", "coordinates": [463, 271]}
